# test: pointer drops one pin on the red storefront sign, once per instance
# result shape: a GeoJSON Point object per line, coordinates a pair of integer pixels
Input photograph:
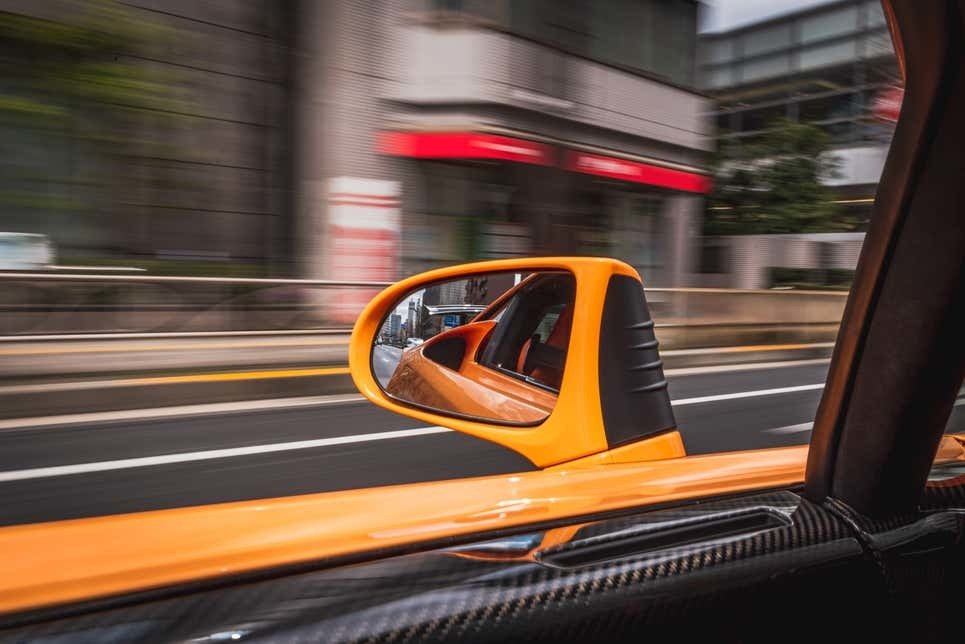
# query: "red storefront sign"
{"type": "Point", "coordinates": [471, 145]}
{"type": "Point", "coordinates": [636, 172]}
{"type": "Point", "coordinates": [464, 145]}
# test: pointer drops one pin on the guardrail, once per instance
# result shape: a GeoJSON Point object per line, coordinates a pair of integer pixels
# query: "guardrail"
{"type": "Point", "coordinates": [46, 303]}
{"type": "Point", "coordinates": [61, 305]}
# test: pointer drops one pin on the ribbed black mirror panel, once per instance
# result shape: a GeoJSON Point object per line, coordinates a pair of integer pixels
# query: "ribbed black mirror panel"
{"type": "Point", "coordinates": [633, 389]}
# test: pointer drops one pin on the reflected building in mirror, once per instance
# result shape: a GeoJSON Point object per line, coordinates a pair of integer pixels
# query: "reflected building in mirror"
{"type": "Point", "coordinates": [395, 327]}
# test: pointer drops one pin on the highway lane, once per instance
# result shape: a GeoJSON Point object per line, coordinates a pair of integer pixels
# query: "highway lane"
{"type": "Point", "coordinates": [221, 453]}
{"type": "Point", "coordinates": [385, 359]}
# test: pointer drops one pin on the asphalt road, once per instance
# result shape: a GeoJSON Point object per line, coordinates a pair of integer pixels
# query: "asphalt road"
{"type": "Point", "coordinates": [123, 463]}
{"type": "Point", "coordinates": [385, 358]}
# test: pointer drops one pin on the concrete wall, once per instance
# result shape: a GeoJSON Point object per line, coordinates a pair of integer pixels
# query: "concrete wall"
{"type": "Point", "coordinates": [747, 258]}
{"type": "Point", "coordinates": [696, 318]}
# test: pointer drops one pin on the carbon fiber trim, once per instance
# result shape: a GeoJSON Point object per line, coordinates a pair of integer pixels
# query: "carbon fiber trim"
{"type": "Point", "coordinates": [920, 556]}
{"type": "Point", "coordinates": [499, 590]}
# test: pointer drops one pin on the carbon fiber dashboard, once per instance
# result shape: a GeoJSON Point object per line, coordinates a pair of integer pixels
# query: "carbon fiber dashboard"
{"type": "Point", "coordinates": [750, 561]}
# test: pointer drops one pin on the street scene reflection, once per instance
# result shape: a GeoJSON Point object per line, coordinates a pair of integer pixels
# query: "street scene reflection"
{"type": "Point", "coordinates": [491, 346]}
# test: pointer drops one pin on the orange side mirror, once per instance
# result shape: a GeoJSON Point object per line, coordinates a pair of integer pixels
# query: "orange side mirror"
{"type": "Point", "coordinates": [612, 392]}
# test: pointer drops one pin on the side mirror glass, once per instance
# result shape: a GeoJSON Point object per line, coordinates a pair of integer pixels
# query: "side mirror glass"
{"type": "Point", "coordinates": [489, 347]}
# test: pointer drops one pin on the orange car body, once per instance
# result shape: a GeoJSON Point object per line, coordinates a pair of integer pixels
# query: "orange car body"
{"type": "Point", "coordinates": [82, 559]}
{"type": "Point", "coordinates": [472, 389]}
{"type": "Point", "coordinates": [65, 561]}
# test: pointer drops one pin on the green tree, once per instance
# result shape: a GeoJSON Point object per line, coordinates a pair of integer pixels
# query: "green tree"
{"type": "Point", "coordinates": [78, 101]}
{"type": "Point", "coordinates": [773, 185]}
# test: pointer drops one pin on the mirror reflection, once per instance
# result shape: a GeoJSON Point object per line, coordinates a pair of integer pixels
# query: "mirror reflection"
{"type": "Point", "coordinates": [491, 347]}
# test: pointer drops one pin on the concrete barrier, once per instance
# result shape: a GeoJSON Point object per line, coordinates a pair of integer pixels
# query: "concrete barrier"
{"type": "Point", "coordinates": [694, 318]}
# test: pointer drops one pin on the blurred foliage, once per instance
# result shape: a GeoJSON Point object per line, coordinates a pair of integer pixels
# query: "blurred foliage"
{"type": "Point", "coordinates": [80, 68]}
{"type": "Point", "coordinates": [773, 185]}
{"type": "Point", "coordinates": [76, 94]}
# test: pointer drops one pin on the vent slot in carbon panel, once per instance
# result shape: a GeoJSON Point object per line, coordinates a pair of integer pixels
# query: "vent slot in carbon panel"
{"type": "Point", "coordinates": [710, 531]}
{"type": "Point", "coordinates": [633, 390]}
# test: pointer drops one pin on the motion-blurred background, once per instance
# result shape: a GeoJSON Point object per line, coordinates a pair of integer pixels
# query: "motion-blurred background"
{"type": "Point", "coordinates": [247, 138]}
{"type": "Point", "coordinates": [198, 196]}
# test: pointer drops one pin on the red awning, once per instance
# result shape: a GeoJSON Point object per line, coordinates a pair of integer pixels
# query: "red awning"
{"type": "Point", "coordinates": [472, 145]}
{"type": "Point", "coordinates": [464, 145]}
{"type": "Point", "coordinates": [636, 172]}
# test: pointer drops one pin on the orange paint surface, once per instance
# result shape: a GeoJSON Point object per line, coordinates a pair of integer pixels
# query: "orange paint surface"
{"type": "Point", "coordinates": [655, 448]}
{"type": "Point", "coordinates": [64, 561]}
{"type": "Point", "coordinates": [472, 390]}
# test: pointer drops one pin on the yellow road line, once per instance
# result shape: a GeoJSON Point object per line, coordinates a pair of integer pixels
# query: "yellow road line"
{"type": "Point", "coordinates": [48, 387]}
{"type": "Point", "coordinates": [240, 375]}
{"type": "Point", "coordinates": [108, 348]}
{"type": "Point", "coordinates": [766, 347]}
{"type": "Point", "coordinates": [227, 376]}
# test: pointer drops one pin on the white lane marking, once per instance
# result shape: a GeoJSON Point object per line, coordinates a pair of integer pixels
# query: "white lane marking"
{"type": "Point", "coordinates": [166, 459]}
{"type": "Point", "coordinates": [808, 426]}
{"type": "Point", "coordinates": [792, 429]}
{"type": "Point", "coordinates": [746, 394]}
{"type": "Point", "coordinates": [86, 385]}
{"type": "Point", "coordinates": [176, 335]}
{"type": "Point", "coordinates": [757, 349]}
{"type": "Point", "coordinates": [749, 366]}
{"type": "Point", "coordinates": [287, 403]}
{"type": "Point", "coordinates": [181, 410]}
{"type": "Point", "coordinates": [185, 457]}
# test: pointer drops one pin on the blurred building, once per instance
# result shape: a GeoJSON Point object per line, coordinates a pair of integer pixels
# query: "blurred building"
{"type": "Point", "coordinates": [178, 157]}
{"type": "Point", "coordinates": [832, 66]}
{"type": "Point", "coordinates": [509, 128]}
{"type": "Point", "coordinates": [356, 140]}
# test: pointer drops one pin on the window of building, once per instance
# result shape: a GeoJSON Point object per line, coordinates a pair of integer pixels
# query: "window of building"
{"type": "Point", "coordinates": [717, 51]}
{"type": "Point", "coordinates": [874, 15]}
{"type": "Point", "coordinates": [765, 67]}
{"type": "Point", "coordinates": [826, 55]}
{"type": "Point", "coordinates": [877, 44]}
{"type": "Point", "coordinates": [719, 77]}
{"type": "Point", "coordinates": [652, 36]}
{"type": "Point", "coordinates": [828, 25]}
{"type": "Point", "coordinates": [562, 23]}
{"type": "Point", "coordinates": [766, 40]}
